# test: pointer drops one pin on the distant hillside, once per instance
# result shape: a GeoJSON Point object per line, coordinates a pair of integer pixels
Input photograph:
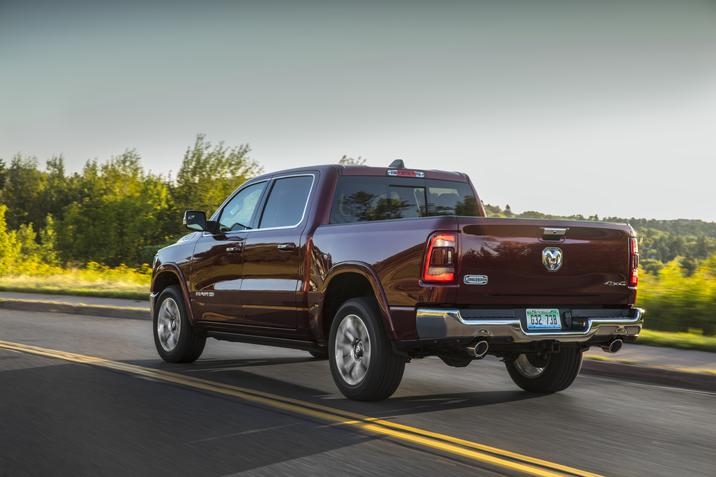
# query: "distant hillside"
{"type": "Point", "coordinates": [660, 241]}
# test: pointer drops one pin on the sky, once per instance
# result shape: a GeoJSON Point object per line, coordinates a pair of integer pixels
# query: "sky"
{"type": "Point", "coordinates": [570, 107]}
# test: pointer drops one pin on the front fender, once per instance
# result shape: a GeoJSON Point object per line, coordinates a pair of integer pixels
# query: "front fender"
{"type": "Point", "coordinates": [160, 280]}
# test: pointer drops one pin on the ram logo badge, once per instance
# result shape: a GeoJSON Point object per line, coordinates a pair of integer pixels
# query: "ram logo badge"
{"type": "Point", "coordinates": [552, 258]}
{"type": "Point", "coordinates": [475, 279]}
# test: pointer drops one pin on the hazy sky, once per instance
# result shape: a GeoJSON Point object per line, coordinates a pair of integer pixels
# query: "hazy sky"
{"type": "Point", "coordinates": [565, 107]}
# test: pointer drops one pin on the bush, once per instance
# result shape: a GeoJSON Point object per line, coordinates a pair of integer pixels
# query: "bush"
{"type": "Point", "coordinates": [676, 301]}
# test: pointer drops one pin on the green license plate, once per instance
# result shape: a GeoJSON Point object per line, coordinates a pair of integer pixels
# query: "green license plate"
{"type": "Point", "coordinates": [543, 319]}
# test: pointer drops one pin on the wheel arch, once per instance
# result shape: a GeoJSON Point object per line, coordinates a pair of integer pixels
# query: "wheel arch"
{"type": "Point", "coordinates": [346, 281]}
{"type": "Point", "coordinates": [166, 276]}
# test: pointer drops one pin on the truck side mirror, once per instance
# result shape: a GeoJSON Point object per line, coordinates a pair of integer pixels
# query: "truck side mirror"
{"type": "Point", "coordinates": [195, 220]}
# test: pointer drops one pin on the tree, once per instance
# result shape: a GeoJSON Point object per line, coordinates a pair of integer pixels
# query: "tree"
{"type": "Point", "coordinates": [209, 173]}
{"type": "Point", "coordinates": [48, 242]}
{"type": "Point", "coordinates": [3, 176]}
{"type": "Point", "coordinates": [9, 245]}
{"type": "Point", "coordinates": [116, 214]}
{"type": "Point", "coordinates": [22, 192]}
{"type": "Point", "coordinates": [59, 191]}
{"type": "Point", "coordinates": [352, 161]}
{"type": "Point", "coordinates": [27, 238]}
{"type": "Point", "coordinates": [701, 247]}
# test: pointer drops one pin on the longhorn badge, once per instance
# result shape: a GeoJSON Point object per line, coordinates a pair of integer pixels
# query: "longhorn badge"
{"type": "Point", "coordinates": [552, 258]}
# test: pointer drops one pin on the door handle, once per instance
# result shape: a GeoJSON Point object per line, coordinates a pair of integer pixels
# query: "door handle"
{"type": "Point", "coordinates": [286, 247]}
{"type": "Point", "coordinates": [237, 247]}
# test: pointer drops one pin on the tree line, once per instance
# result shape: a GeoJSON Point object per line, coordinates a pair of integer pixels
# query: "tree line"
{"type": "Point", "coordinates": [660, 241]}
{"type": "Point", "coordinates": [112, 212]}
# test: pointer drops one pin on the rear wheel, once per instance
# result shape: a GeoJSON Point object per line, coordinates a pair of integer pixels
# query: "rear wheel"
{"type": "Point", "coordinates": [174, 337]}
{"type": "Point", "coordinates": [545, 373]}
{"type": "Point", "coordinates": [362, 361]}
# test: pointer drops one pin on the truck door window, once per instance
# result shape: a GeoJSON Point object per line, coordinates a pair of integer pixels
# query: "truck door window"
{"type": "Point", "coordinates": [239, 211]}
{"type": "Point", "coordinates": [286, 202]}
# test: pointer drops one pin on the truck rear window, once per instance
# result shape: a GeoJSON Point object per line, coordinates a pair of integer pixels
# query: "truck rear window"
{"type": "Point", "coordinates": [360, 199]}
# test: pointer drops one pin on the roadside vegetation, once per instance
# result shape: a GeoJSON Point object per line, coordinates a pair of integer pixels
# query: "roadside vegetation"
{"type": "Point", "coordinates": [684, 340]}
{"type": "Point", "coordinates": [678, 301]}
{"type": "Point", "coordinates": [95, 232]}
{"type": "Point", "coordinates": [92, 279]}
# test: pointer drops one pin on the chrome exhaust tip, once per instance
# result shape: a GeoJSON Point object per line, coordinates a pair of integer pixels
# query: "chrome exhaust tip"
{"type": "Point", "coordinates": [479, 349]}
{"type": "Point", "coordinates": [613, 346]}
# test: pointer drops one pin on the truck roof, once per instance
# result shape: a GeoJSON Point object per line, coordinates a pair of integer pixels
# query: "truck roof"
{"type": "Point", "coordinates": [355, 170]}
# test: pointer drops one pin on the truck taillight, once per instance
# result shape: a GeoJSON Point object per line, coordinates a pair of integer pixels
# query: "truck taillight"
{"type": "Point", "coordinates": [633, 262]}
{"type": "Point", "coordinates": [440, 258]}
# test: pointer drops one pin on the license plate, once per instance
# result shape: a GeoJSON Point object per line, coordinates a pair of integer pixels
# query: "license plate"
{"type": "Point", "coordinates": [543, 319]}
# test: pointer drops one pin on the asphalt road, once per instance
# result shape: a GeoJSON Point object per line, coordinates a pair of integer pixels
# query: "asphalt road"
{"type": "Point", "coordinates": [59, 417]}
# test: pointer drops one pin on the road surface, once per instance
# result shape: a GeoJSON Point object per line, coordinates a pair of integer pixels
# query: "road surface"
{"type": "Point", "coordinates": [89, 396]}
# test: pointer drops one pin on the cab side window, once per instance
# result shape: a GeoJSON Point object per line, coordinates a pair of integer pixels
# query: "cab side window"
{"type": "Point", "coordinates": [286, 202]}
{"type": "Point", "coordinates": [238, 213]}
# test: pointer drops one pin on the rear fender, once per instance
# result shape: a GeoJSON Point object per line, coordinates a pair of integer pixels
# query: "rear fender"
{"type": "Point", "coordinates": [365, 271]}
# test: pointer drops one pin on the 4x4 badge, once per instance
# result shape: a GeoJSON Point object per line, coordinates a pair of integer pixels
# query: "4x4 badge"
{"type": "Point", "coordinates": [552, 258]}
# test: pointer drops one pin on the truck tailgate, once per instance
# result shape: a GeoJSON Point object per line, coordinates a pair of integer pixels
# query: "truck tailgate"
{"type": "Point", "coordinates": [541, 262]}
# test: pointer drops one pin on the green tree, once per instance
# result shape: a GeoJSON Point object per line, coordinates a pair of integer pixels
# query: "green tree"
{"type": "Point", "coordinates": [48, 242]}
{"type": "Point", "coordinates": [493, 210]}
{"type": "Point", "coordinates": [116, 214]}
{"type": "Point", "coordinates": [59, 191]}
{"type": "Point", "coordinates": [211, 172]}
{"type": "Point", "coordinates": [676, 301]}
{"type": "Point", "coordinates": [9, 245]}
{"type": "Point", "coordinates": [27, 238]}
{"type": "Point", "coordinates": [22, 192]}
{"type": "Point", "coordinates": [3, 175]}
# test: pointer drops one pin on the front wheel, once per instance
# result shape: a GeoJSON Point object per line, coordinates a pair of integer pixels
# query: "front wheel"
{"type": "Point", "coordinates": [545, 374]}
{"type": "Point", "coordinates": [176, 340]}
{"type": "Point", "coordinates": [362, 361]}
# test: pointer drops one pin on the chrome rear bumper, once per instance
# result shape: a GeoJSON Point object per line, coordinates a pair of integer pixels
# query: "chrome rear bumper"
{"type": "Point", "coordinates": [508, 324]}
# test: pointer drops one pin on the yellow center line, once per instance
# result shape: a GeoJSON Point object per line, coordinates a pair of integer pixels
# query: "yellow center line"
{"type": "Point", "coordinates": [433, 440]}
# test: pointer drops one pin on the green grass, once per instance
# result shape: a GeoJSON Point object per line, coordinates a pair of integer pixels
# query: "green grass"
{"type": "Point", "coordinates": [79, 291]}
{"type": "Point", "coordinates": [597, 357]}
{"type": "Point", "coordinates": [120, 282]}
{"type": "Point", "coordinates": [694, 341]}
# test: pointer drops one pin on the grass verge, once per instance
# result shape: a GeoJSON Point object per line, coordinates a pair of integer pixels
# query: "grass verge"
{"type": "Point", "coordinates": [693, 341]}
{"type": "Point", "coordinates": [120, 282]}
{"type": "Point", "coordinates": [130, 295]}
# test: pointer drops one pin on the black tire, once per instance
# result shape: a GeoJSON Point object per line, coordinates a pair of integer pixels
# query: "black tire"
{"type": "Point", "coordinates": [547, 374]}
{"type": "Point", "coordinates": [177, 341]}
{"type": "Point", "coordinates": [322, 354]}
{"type": "Point", "coordinates": [370, 353]}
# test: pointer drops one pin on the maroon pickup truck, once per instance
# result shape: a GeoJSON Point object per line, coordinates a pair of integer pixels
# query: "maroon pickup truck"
{"type": "Point", "coordinates": [372, 267]}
